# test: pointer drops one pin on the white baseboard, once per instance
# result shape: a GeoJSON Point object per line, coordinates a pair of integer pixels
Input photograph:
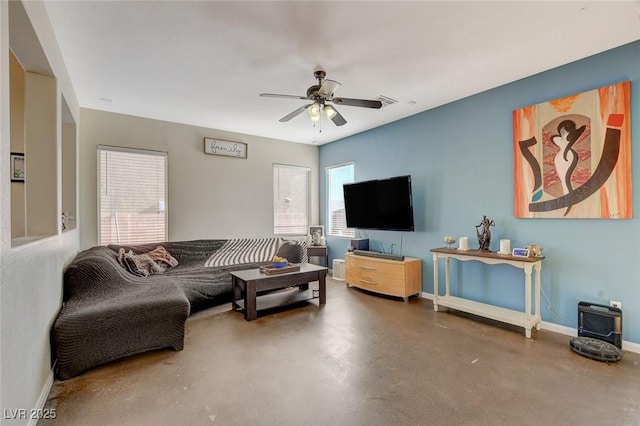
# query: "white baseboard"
{"type": "Point", "coordinates": [563, 329]}
{"type": "Point", "coordinates": [42, 400]}
{"type": "Point", "coordinates": [631, 347]}
{"type": "Point", "coordinates": [426, 295]}
{"type": "Point", "coordinates": [557, 328]}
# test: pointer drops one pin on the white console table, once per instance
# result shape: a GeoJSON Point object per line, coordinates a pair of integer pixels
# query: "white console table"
{"type": "Point", "coordinates": [525, 319]}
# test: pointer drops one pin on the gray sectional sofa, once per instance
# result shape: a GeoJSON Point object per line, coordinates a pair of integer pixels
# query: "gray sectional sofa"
{"type": "Point", "coordinates": [109, 312]}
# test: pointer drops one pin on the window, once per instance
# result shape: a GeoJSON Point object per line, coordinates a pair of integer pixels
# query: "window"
{"type": "Point", "coordinates": [336, 176]}
{"type": "Point", "coordinates": [291, 187]}
{"type": "Point", "coordinates": [132, 196]}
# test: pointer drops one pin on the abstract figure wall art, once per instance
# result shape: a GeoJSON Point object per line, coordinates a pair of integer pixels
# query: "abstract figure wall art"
{"type": "Point", "coordinates": [572, 156]}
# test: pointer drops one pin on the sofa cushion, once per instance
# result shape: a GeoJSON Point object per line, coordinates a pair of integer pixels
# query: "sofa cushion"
{"type": "Point", "coordinates": [107, 327]}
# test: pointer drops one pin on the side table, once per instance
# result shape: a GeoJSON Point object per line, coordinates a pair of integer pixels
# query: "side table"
{"type": "Point", "coordinates": [320, 251]}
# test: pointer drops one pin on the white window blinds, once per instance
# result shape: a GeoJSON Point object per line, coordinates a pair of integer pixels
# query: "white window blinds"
{"type": "Point", "coordinates": [132, 196]}
{"type": "Point", "coordinates": [336, 176]}
{"type": "Point", "coordinates": [291, 188]}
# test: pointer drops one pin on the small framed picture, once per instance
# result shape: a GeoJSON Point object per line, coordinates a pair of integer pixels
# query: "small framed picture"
{"type": "Point", "coordinates": [17, 167]}
{"type": "Point", "coordinates": [316, 231]}
{"type": "Point", "coordinates": [316, 236]}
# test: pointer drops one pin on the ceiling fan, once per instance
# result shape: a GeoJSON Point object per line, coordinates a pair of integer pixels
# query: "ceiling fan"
{"type": "Point", "coordinates": [321, 94]}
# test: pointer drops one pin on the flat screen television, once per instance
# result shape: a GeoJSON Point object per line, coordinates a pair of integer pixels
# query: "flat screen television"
{"type": "Point", "coordinates": [384, 204]}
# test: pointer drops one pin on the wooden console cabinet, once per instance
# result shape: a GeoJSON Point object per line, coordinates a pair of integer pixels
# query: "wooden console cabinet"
{"type": "Point", "coordinates": [400, 278]}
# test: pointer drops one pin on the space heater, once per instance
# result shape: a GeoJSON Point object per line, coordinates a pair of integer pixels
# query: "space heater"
{"type": "Point", "coordinates": [600, 322]}
{"type": "Point", "coordinates": [599, 332]}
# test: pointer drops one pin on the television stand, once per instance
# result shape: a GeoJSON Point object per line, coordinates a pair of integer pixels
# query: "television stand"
{"type": "Point", "coordinates": [385, 276]}
{"type": "Point", "coordinates": [379, 255]}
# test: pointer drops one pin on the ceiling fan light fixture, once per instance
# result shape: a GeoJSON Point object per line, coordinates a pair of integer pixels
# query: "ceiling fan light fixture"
{"type": "Point", "coordinates": [314, 111]}
{"type": "Point", "coordinates": [330, 111]}
{"type": "Point", "coordinates": [328, 88]}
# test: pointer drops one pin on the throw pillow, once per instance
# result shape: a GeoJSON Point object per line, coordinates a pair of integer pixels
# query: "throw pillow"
{"type": "Point", "coordinates": [293, 251]}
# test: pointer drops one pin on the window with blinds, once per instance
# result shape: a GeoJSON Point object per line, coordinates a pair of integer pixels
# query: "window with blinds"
{"type": "Point", "coordinates": [132, 196]}
{"type": "Point", "coordinates": [336, 176]}
{"type": "Point", "coordinates": [291, 199]}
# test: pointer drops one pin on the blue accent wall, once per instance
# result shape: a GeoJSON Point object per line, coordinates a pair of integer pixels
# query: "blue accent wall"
{"type": "Point", "coordinates": [460, 157]}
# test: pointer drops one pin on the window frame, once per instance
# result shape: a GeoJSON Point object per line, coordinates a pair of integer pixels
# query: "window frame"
{"type": "Point", "coordinates": [305, 228]}
{"type": "Point", "coordinates": [349, 232]}
{"type": "Point", "coordinates": [110, 148]}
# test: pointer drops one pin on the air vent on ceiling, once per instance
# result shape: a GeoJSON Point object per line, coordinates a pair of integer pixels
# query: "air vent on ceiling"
{"type": "Point", "coordinates": [385, 101]}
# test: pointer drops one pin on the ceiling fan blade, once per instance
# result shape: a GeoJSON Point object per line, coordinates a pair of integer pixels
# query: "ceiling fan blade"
{"type": "Point", "coordinates": [294, 113]}
{"type": "Point", "coordinates": [358, 102]}
{"type": "Point", "coordinates": [276, 95]}
{"type": "Point", "coordinates": [338, 119]}
{"type": "Point", "coordinates": [328, 88]}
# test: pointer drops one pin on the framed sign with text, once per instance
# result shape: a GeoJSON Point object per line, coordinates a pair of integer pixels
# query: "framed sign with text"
{"type": "Point", "coordinates": [17, 167]}
{"type": "Point", "coordinates": [225, 148]}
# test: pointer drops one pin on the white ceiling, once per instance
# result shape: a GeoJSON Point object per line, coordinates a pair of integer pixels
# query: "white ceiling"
{"type": "Point", "coordinates": [205, 63]}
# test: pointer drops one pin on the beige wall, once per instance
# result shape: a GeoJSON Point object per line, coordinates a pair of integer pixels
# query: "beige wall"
{"type": "Point", "coordinates": [210, 196]}
{"type": "Point", "coordinates": [41, 147]}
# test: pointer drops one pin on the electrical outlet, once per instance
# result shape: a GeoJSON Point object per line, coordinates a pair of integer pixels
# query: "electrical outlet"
{"type": "Point", "coordinates": [615, 304]}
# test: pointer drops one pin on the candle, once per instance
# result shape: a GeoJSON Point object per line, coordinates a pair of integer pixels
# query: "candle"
{"type": "Point", "coordinates": [323, 241]}
{"type": "Point", "coordinates": [505, 246]}
{"type": "Point", "coordinates": [464, 243]}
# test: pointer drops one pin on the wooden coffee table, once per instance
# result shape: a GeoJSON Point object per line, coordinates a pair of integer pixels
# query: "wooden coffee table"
{"type": "Point", "coordinates": [248, 283]}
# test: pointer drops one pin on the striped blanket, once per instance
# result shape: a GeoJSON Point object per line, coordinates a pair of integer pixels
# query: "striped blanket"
{"type": "Point", "coordinates": [244, 250]}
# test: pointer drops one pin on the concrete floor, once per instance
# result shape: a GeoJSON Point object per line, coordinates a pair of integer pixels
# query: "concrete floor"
{"type": "Point", "coordinates": [360, 360]}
